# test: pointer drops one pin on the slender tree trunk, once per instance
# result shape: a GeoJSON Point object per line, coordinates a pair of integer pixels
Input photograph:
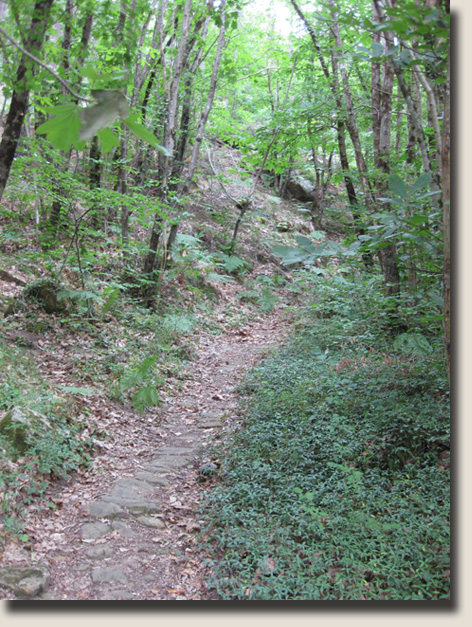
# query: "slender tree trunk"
{"type": "Point", "coordinates": [446, 198]}
{"type": "Point", "coordinates": [351, 122]}
{"type": "Point", "coordinates": [20, 97]}
{"type": "Point", "coordinates": [382, 92]}
{"type": "Point", "coordinates": [165, 162]}
{"type": "Point", "coordinates": [95, 170]}
{"type": "Point", "coordinates": [333, 82]}
{"type": "Point", "coordinates": [211, 94]}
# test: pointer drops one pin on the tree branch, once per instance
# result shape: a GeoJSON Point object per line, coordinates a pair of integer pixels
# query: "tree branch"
{"type": "Point", "coordinates": [43, 65]}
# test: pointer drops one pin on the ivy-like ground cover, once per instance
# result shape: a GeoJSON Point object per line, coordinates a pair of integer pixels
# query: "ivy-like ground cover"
{"type": "Point", "coordinates": [338, 486]}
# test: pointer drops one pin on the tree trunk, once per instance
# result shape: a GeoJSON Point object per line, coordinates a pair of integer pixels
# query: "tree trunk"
{"type": "Point", "coordinates": [20, 97]}
{"type": "Point", "coordinates": [95, 170]}
{"type": "Point", "coordinates": [351, 122]}
{"type": "Point", "coordinates": [165, 162]}
{"type": "Point", "coordinates": [446, 197]}
{"type": "Point", "coordinates": [382, 124]}
{"type": "Point", "coordinates": [209, 102]}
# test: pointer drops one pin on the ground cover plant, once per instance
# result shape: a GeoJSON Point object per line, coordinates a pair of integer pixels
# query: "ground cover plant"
{"type": "Point", "coordinates": [338, 485]}
{"type": "Point", "coordinates": [43, 436]}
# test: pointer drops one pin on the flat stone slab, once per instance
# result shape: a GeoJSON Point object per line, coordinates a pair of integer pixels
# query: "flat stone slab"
{"type": "Point", "coordinates": [152, 478]}
{"type": "Point", "coordinates": [95, 530]}
{"type": "Point", "coordinates": [156, 466]}
{"type": "Point", "coordinates": [173, 461]}
{"type": "Point", "coordinates": [132, 484]}
{"type": "Point", "coordinates": [108, 575]}
{"type": "Point", "coordinates": [134, 504]}
{"type": "Point", "coordinates": [209, 423]}
{"type": "Point", "coordinates": [102, 509]}
{"type": "Point", "coordinates": [151, 521]}
{"type": "Point", "coordinates": [174, 450]}
{"type": "Point", "coordinates": [99, 552]}
{"type": "Point", "coordinates": [117, 595]}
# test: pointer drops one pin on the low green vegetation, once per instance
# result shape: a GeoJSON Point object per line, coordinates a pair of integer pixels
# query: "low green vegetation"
{"type": "Point", "coordinates": [338, 485]}
{"type": "Point", "coordinates": [45, 433]}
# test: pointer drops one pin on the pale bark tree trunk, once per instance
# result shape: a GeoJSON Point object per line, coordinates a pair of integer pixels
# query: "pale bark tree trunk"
{"type": "Point", "coordinates": [382, 92]}
{"type": "Point", "coordinates": [333, 83]}
{"type": "Point", "coordinates": [351, 121]}
{"type": "Point", "coordinates": [20, 97]}
{"type": "Point", "coordinates": [165, 162]}
{"type": "Point", "coordinates": [211, 94]}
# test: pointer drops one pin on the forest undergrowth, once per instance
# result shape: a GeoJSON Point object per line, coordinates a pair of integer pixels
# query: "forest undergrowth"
{"type": "Point", "coordinates": [337, 487]}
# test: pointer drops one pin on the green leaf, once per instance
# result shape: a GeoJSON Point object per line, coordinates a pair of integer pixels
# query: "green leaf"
{"type": "Point", "coordinates": [146, 397]}
{"type": "Point", "coordinates": [63, 129]}
{"type": "Point", "coordinates": [73, 390]}
{"type": "Point", "coordinates": [421, 182]}
{"type": "Point", "coordinates": [306, 243]}
{"type": "Point", "coordinates": [397, 186]}
{"type": "Point", "coordinates": [77, 295]}
{"type": "Point", "coordinates": [111, 299]}
{"type": "Point", "coordinates": [377, 50]}
{"type": "Point", "coordinates": [108, 140]}
{"type": "Point", "coordinates": [143, 133]}
{"type": "Point", "coordinates": [290, 256]}
{"type": "Point", "coordinates": [406, 57]}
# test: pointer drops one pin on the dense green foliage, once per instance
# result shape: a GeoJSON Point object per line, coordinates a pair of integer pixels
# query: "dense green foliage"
{"type": "Point", "coordinates": [118, 196]}
{"type": "Point", "coordinates": [338, 485]}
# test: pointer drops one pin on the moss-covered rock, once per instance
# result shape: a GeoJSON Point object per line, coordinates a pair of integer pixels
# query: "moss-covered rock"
{"type": "Point", "coordinates": [25, 581]}
{"type": "Point", "coordinates": [22, 427]}
{"type": "Point", "coordinates": [7, 305]}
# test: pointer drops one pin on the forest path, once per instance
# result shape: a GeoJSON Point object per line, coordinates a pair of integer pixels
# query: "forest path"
{"type": "Point", "coordinates": [126, 529]}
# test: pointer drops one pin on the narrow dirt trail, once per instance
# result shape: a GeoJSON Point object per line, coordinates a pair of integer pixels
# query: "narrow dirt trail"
{"type": "Point", "coordinates": [126, 530]}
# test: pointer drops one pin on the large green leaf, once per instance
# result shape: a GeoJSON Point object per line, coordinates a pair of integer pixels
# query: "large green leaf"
{"type": "Point", "coordinates": [397, 186]}
{"type": "Point", "coordinates": [290, 255]}
{"type": "Point", "coordinates": [108, 140]}
{"type": "Point", "coordinates": [421, 182]}
{"type": "Point", "coordinates": [63, 129]}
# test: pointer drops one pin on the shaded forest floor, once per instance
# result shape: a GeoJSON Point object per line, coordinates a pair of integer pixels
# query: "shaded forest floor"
{"type": "Point", "coordinates": [126, 528]}
{"type": "Point", "coordinates": [121, 521]}
{"type": "Point", "coordinates": [165, 472]}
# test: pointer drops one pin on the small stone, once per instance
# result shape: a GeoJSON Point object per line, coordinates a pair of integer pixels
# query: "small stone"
{"type": "Point", "coordinates": [151, 521]}
{"type": "Point", "coordinates": [107, 575]}
{"type": "Point", "coordinates": [95, 530]}
{"type": "Point", "coordinates": [208, 469]}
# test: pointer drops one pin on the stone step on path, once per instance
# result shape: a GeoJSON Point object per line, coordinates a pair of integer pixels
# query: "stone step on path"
{"type": "Point", "coordinates": [132, 504]}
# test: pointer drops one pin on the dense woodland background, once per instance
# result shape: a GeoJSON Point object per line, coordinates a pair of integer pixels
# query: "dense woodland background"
{"type": "Point", "coordinates": [152, 151]}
